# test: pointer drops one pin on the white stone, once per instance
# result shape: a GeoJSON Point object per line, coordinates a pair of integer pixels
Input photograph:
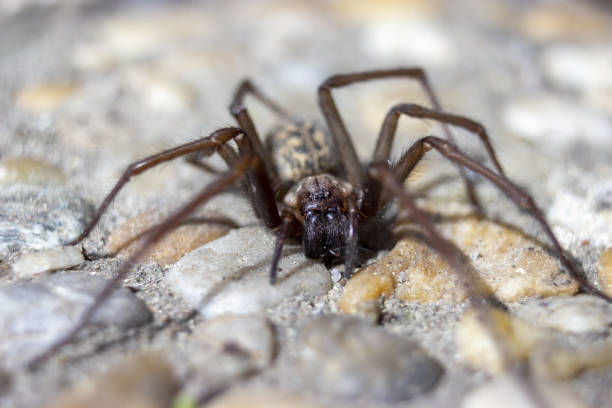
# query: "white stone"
{"type": "Point", "coordinates": [579, 67]}
{"type": "Point", "coordinates": [252, 333]}
{"type": "Point", "coordinates": [509, 392]}
{"type": "Point", "coordinates": [575, 314]}
{"type": "Point", "coordinates": [414, 39]}
{"type": "Point", "coordinates": [230, 274]}
{"type": "Point", "coordinates": [545, 118]}
{"type": "Point", "coordinates": [47, 260]}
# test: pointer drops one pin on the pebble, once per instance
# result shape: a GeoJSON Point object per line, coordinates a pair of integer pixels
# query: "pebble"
{"type": "Point", "coordinates": [558, 122]}
{"type": "Point", "coordinates": [509, 265]}
{"type": "Point", "coordinates": [125, 239]}
{"type": "Point", "coordinates": [577, 314]}
{"type": "Point", "coordinates": [578, 67]}
{"type": "Point", "coordinates": [510, 392]}
{"type": "Point", "coordinates": [36, 217]}
{"type": "Point", "coordinates": [260, 397]}
{"type": "Point", "coordinates": [47, 260]}
{"type": "Point", "coordinates": [5, 381]}
{"type": "Point", "coordinates": [230, 274]}
{"type": "Point", "coordinates": [604, 271]}
{"type": "Point", "coordinates": [414, 38]}
{"type": "Point", "coordinates": [142, 35]}
{"type": "Point", "coordinates": [362, 292]}
{"type": "Point", "coordinates": [42, 98]}
{"type": "Point", "coordinates": [159, 92]}
{"type": "Point", "coordinates": [251, 335]}
{"type": "Point", "coordinates": [28, 170]}
{"type": "Point", "coordinates": [142, 381]}
{"type": "Point", "coordinates": [496, 340]}
{"type": "Point", "coordinates": [563, 363]}
{"type": "Point", "coordinates": [349, 358]}
{"type": "Point", "coordinates": [562, 22]}
{"type": "Point", "coordinates": [37, 312]}
{"type": "Point", "coordinates": [224, 351]}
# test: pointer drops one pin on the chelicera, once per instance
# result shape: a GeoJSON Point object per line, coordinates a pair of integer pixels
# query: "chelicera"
{"type": "Point", "coordinates": [309, 184]}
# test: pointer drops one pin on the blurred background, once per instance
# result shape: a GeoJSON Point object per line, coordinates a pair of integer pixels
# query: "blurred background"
{"type": "Point", "coordinates": [121, 79]}
{"type": "Point", "coordinates": [89, 86]}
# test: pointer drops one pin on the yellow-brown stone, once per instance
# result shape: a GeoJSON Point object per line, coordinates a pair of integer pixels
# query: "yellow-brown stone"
{"type": "Point", "coordinates": [361, 293]}
{"type": "Point", "coordinates": [28, 170]}
{"type": "Point", "coordinates": [143, 381]}
{"type": "Point", "coordinates": [490, 339]}
{"type": "Point", "coordinates": [44, 97]}
{"type": "Point", "coordinates": [505, 262]}
{"type": "Point", "coordinates": [172, 247]}
{"type": "Point", "coordinates": [604, 271]}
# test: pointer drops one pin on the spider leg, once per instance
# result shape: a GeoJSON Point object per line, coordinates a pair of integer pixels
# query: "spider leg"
{"type": "Point", "coordinates": [243, 164]}
{"type": "Point", "coordinates": [451, 254]}
{"type": "Point", "coordinates": [228, 154]}
{"type": "Point", "coordinates": [340, 134]}
{"type": "Point", "coordinates": [388, 130]}
{"type": "Point", "coordinates": [247, 87]}
{"type": "Point", "coordinates": [206, 145]}
{"type": "Point", "coordinates": [387, 134]}
{"type": "Point", "coordinates": [334, 120]}
{"type": "Point", "coordinates": [288, 221]}
{"type": "Point", "coordinates": [351, 237]}
{"type": "Point", "coordinates": [453, 257]}
{"type": "Point", "coordinates": [240, 112]}
{"type": "Point", "coordinates": [523, 200]}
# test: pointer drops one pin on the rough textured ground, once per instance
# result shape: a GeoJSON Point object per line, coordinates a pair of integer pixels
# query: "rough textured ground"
{"type": "Point", "coordinates": [87, 87]}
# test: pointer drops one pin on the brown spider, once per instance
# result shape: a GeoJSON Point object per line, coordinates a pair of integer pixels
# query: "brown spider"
{"type": "Point", "coordinates": [310, 184]}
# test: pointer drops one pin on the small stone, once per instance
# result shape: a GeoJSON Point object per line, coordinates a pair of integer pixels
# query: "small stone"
{"type": "Point", "coordinates": [44, 97]}
{"type": "Point", "coordinates": [161, 93]}
{"type": "Point", "coordinates": [225, 350]}
{"type": "Point", "coordinates": [560, 122]}
{"type": "Point", "coordinates": [251, 336]}
{"type": "Point", "coordinates": [414, 38]}
{"type": "Point", "coordinates": [577, 314]}
{"type": "Point", "coordinates": [559, 22]}
{"type": "Point", "coordinates": [230, 274]}
{"type": "Point", "coordinates": [143, 381]}
{"type": "Point", "coordinates": [382, 9]}
{"type": "Point", "coordinates": [172, 247]}
{"type": "Point", "coordinates": [5, 381]}
{"type": "Point", "coordinates": [604, 271]}
{"type": "Point", "coordinates": [259, 397]}
{"type": "Point", "coordinates": [506, 263]}
{"type": "Point", "coordinates": [36, 313]}
{"type": "Point", "coordinates": [362, 292]}
{"type": "Point", "coordinates": [579, 67]}
{"type": "Point", "coordinates": [510, 392]}
{"type": "Point", "coordinates": [491, 339]}
{"type": "Point", "coordinates": [47, 260]}
{"type": "Point", "coordinates": [27, 170]}
{"type": "Point", "coordinates": [349, 358]}
{"type": "Point", "coordinates": [559, 363]}
{"type": "Point", "coordinates": [37, 217]}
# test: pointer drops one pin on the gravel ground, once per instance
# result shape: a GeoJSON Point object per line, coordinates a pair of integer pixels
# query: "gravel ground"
{"type": "Point", "coordinates": [89, 86]}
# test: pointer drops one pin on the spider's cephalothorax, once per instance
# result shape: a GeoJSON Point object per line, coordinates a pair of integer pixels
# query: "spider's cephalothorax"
{"type": "Point", "coordinates": [320, 203]}
{"type": "Point", "coordinates": [309, 184]}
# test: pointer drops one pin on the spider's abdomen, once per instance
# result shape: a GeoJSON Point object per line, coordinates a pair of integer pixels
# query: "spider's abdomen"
{"type": "Point", "coordinates": [300, 150]}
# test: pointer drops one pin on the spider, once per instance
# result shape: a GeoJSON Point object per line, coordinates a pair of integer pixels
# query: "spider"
{"type": "Point", "coordinates": [309, 184]}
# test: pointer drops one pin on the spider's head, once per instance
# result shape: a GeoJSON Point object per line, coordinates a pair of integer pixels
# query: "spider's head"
{"type": "Point", "coordinates": [319, 202]}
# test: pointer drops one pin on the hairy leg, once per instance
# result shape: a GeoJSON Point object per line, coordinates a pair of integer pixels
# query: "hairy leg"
{"type": "Point", "coordinates": [207, 145]}
{"type": "Point", "coordinates": [239, 169]}
{"type": "Point", "coordinates": [387, 135]}
{"type": "Point", "coordinates": [336, 124]}
{"type": "Point", "coordinates": [524, 201]}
